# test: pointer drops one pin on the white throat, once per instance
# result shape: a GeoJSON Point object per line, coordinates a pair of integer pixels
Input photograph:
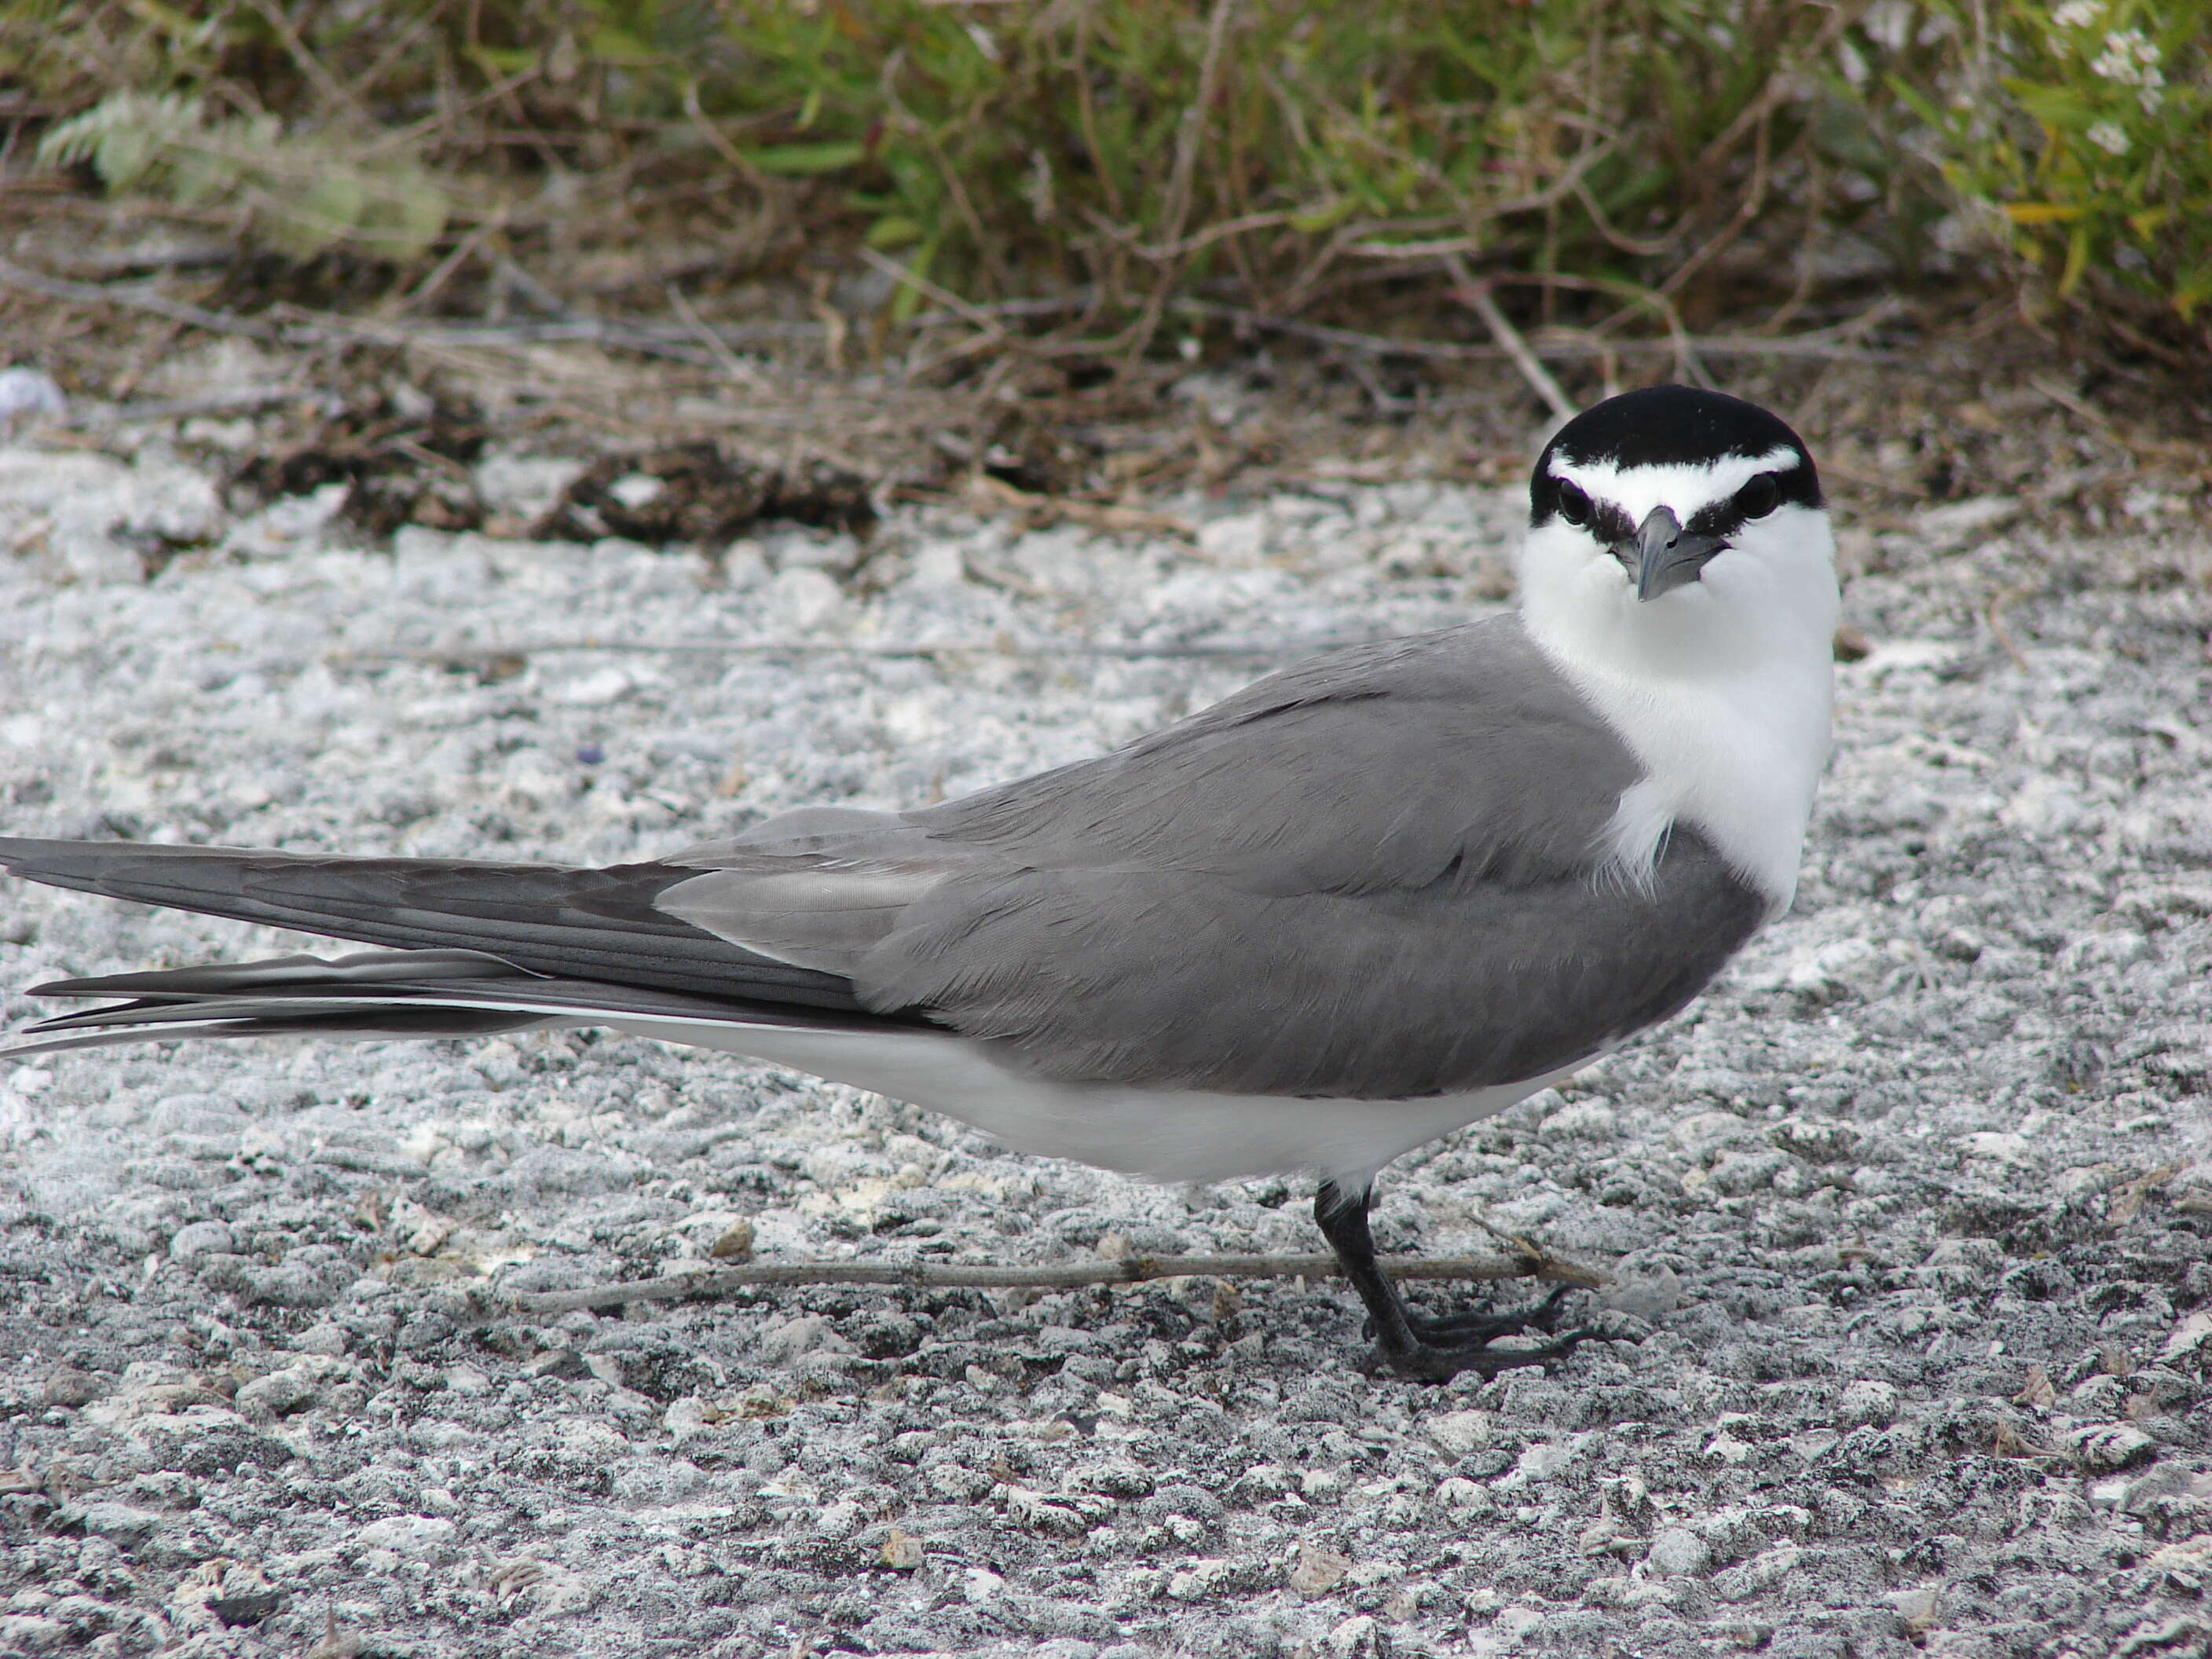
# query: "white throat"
{"type": "Point", "coordinates": [1722, 688]}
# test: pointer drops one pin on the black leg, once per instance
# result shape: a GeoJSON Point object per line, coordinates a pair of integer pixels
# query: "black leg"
{"type": "Point", "coordinates": [1427, 1349]}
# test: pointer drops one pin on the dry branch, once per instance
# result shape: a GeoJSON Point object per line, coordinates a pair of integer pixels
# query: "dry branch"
{"type": "Point", "coordinates": [1477, 298]}
{"type": "Point", "coordinates": [1126, 1270]}
{"type": "Point", "coordinates": [132, 299]}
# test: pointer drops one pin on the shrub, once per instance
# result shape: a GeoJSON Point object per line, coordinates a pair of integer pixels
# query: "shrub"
{"type": "Point", "coordinates": [2084, 130]}
{"type": "Point", "coordinates": [1275, 152]}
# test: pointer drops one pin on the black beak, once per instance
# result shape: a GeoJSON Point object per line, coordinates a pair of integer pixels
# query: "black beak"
{"type": "Point", "coordinates": [1664, 556]}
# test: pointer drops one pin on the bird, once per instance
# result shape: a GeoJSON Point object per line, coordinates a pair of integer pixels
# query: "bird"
{"type": "Point", "coordinates": [1362, 902]}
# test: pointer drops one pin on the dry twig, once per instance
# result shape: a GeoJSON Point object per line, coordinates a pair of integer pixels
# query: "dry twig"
{"type": "Point", "coordinates": [1993, 614]}
{"type": "Point", "coordinates": [131, 299]}
{"type": "Point", "coordinates": [1097, 515]}
{"type": "Point", "coordinates": [1477, 298]}
{"type": "Point", "coordinates": [1126, 1270]}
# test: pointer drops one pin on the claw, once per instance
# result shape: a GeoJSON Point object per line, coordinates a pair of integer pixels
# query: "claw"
{"type": "Point", "coordinates": [1425, 1363]}
{"type": "Point", "coordinates": [1458, 1330]}
{"type": "Point", "coordinates": [1422, 1349]}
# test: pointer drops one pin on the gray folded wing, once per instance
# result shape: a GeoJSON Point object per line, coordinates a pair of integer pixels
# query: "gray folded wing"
{"type": "Point", "coordinates": [1374, 875]}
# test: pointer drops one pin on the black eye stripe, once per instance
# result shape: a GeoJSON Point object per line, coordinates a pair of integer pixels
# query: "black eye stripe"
{"type": "Point", "coordinates": [1750, 504]}
{"type": "Point", "coordinates": [1764, 493]}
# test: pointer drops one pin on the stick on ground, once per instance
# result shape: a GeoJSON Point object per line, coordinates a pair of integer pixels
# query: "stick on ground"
{"type": "Point", "coordinates": [1126, 1270]}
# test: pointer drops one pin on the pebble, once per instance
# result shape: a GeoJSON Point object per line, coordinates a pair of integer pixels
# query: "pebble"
{"type": "Point", "coordinates": [200, 1238]}
{"type": "Point", "coordinates": [1807, 1367]}
{"type": "Point", "coordinates": [1678, 1553]}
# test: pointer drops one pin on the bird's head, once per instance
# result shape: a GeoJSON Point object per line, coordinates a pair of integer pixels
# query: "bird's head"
{"type": "Point", "coordinates": [1679, 521]}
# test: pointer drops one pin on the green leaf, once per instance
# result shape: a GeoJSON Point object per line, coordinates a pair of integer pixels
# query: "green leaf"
{"type": "Point", "coordinates": [2042, 213]}
{"type": "Point", "coordinates": [894, 230]}
{"type": "Point", "coordinates": [1314, 220]}
{"type": "Point", "coordinates": [619, 46]}
{"type": "Point", "coordinates": [500, 62]}
{"type": "Point", "coordinates": [2056, 107]}
{"type": "Point", "coordinates": [802, 161]}
{"type": "Point", "coordinates": [2192, 292]}
{"type": "Point", "coordinates": [320, 216]}
{"type": "Point", "coordinates": [907, 301]}
{"type": "Point", "coordinates": [2077, 259]}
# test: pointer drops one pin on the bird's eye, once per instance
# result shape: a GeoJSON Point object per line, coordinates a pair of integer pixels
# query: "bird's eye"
{"type": "Point", "coordinates": [1574, 505]}
{"type": "Point", "coordinates": [1759, 497]}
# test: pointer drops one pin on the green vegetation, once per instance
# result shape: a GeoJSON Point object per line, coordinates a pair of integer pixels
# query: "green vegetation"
{"type": "Point", "coordinates": [2086, 127]}
{"type": "Point", "coordinates": [1660, 156]}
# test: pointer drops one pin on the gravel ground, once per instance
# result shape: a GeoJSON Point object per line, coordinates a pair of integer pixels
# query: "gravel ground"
{"type": "Point", "coordinates": [1908, 1221]}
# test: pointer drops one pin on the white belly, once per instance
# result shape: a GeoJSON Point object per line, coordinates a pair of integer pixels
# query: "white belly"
{"type": "Point", "coordinates": [1168, 1134]}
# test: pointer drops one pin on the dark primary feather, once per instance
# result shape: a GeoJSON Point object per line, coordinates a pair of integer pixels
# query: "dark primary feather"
{"type": "Point", "coordinates": [381, 994]}
{"type": "Point", "coordinates": [598, 924]}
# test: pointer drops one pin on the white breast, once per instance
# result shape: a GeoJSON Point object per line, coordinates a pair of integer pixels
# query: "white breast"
{"type": "Point", "coordinates": [1723, 689]}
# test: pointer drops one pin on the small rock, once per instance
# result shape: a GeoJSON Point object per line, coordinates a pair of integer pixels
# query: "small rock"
{"type": "Point", "coordinates": [2005, 1147]}
{"type": "Point", "coordinates": [2111, 1446]}
{"type": "Point", "coordinates": [1645, 1295]}
{"type": "Point", "coordinates": [901, 1551]}
{"type": "Point", "coordinates": [1955, 523]}
{"type": "Point", "coordinates": [200, 1238]}
{"type": "Point", "coordinates": [2187, 1337]}
{"type": "Point", "coordinates": [1828, 972]}
{"type": "Point", "coordinates": [1868, 1401]}
{"type": "Point", "coordinates": [1317, 1571]}
{"type": "Point", "coordinates": [1460, 1433]}
{"type": "Point", "coordinates": [1728, 1449]}
{"type": "Point", "coordinates": [1762, 1572]}
{"type": "Point", "coordinates": [29, 391]}
{"type": "Point", "coordinates": [1594, 1120]}
{"type": "Point", "coordinates": [1702, 1134]}
{"type": "Point", "coordinates": [29, 1632]}
{"type": "Point", "coordinates": [1545, 1459]}
{"type": "Point", "coordinates": [1201, 1578]}
{"type": "Point", "coordinates": [1960, 945]}
{"type": "Point", "coordinates": [802, 599]}
{"type": "Point", "coordinates": [70, 1388]}
{"type": "Point", "coordinates": [1678, 1553]}
{"type": "Point", "coordinates": [279, 1394]}
{"type": "Point", "coordinates": [2188, 1563]}
{"type": "Point", "coordinates": [328, 1338]}
{"type": "Point", "coordinates": [417, 1535]}
{"type": "Point", "coordinates": [247, 1607]}
{"type": "Point", "coordinates": [1918, 1609]}
{"type": "Point", "coordinates": [118, 1521]}
{"type": "Point", "coordinates": [1356, 1635]}
{"type": "Point", "coordinates": [1518, 1621]}
{"type": "Point", "coordinates": [786, 1339]}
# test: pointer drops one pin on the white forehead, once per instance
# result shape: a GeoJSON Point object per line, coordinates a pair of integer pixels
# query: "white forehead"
{"type": "Point", "coordinates": [1686, 487]}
